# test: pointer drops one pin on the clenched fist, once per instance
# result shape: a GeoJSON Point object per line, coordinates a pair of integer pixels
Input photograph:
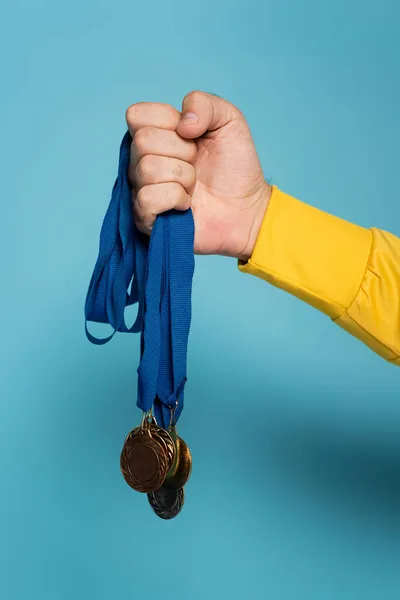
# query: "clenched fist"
{"type": "Point", "coordinates": [203, 158]}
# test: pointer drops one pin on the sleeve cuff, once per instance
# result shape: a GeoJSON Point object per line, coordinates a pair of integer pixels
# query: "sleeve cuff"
{"type": "Point", "coordinates": [314, 256]}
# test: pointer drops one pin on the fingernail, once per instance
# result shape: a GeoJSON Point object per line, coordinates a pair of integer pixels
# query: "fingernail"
{"type": "Point", "coordinates": [189, 116]}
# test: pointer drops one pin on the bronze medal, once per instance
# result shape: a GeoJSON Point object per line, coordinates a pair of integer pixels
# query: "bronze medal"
{"type": "Point", "coordinates": [164, 438]}
{"type": "Point", "coordinates": [166, 503]}
{"type": "Point", "coordinates": [144, 462]}
{"type": "Point", "coordinates": [181, 469]}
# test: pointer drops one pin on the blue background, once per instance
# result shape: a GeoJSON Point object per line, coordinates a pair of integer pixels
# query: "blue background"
{"type": "Point", "coordinates": [293, 424]}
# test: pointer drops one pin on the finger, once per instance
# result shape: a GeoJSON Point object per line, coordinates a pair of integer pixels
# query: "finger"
{"type": "Point", "coordinates": [152, 200]}
{"type": "Point", "coordinates": [145, 114]}
{"type": "Point", "coordinates": [153, 140]}
{"type": "Point", "coordinates": [161, 169]}
{"type": "Point", "coordinates": [203, 112]}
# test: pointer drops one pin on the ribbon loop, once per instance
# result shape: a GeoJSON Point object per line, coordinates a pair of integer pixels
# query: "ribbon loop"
{"type": "Point", "coordinates": [155, 274]}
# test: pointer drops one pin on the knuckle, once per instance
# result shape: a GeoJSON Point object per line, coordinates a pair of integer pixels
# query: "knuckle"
{"type": "Point", "coordinates": [131, 114]}
{"type": "Point", "coordinates": [173, 114]}
{"type": "Point", "coordinates": [144, 202]}
{"type": "Point", "coordinates": [146, 166]}
{"type": "Point", "coordinates": [141, 217]}
{"type": "Point", "coordinates": [141, 139]}
{"type": "Point", "coordinates": [140, 202]}
{"type": "Point", "coordinates": [193, 96]}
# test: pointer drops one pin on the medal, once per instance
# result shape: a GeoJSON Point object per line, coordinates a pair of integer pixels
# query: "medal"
{"type": "Point", "coordinates": [157, 462]}
{"type": "Point", "coordinates": [146, 457]}
{"type": "Point", "coordinates": [165, 503]}
{"type": "Point", "coordinates": [156, 274]}
{"type": "Point", "coordinates": [181, 469]}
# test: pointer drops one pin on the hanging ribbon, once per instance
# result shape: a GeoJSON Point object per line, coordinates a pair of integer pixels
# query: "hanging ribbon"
{"type": "Point", "coordinates": [157, 275]}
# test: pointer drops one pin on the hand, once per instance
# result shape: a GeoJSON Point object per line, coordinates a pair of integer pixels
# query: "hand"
{"type": "Point", "coordinates": [205, 159]}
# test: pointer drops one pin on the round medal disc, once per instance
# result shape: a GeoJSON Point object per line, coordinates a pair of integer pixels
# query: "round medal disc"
{"type": "Point", "coordinates": [144, 462]}
{"type": "Point", "coordinates": [179, 475]}
{"type": "Point", "coordinates": [165, 503]}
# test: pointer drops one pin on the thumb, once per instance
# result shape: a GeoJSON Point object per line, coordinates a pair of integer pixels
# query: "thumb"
{"type": "Point", "coordinates": [203, 112]}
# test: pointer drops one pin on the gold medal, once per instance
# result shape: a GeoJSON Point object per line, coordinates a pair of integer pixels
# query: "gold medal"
{"type": "Point", "coordinates": [181, 469]}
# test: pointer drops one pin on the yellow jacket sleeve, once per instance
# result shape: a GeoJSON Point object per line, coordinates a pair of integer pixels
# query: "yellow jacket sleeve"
{"type": "Point", "coordinates": [350, 273]}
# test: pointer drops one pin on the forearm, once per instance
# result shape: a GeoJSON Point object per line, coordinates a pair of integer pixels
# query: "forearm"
{"type": "Point", "coordinates": [350, 273]}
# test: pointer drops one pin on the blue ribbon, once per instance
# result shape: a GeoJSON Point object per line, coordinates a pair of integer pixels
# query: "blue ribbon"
{"type": "Point", "coordinates": [157, 275]}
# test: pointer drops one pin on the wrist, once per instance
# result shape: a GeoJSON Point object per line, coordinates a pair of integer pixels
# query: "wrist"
{"type": "Point", "coordinates": [260, 208]}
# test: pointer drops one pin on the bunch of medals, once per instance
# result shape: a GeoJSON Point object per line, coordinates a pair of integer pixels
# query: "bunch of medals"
{"type": "Point", "coordinates": [157, 462]}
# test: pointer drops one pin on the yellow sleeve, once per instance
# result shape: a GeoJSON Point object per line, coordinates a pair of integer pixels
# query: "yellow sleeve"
{"type": "Point", "coordinates": [350, 273]}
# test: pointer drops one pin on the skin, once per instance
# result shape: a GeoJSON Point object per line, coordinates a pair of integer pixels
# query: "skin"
{"type": "Point", "coordinates": [204, 158]}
